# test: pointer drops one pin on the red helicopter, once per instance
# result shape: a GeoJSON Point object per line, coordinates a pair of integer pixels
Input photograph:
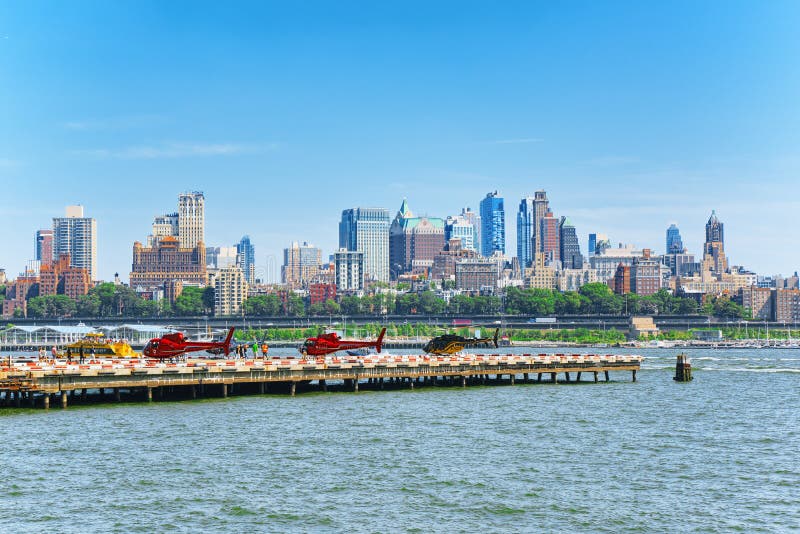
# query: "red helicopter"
{"type": "Point", "coordinates": [173, 345]}
{"type": "Point", "coordinates": [330, 343]}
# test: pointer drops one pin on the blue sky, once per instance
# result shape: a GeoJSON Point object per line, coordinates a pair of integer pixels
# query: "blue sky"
{"type": "Point", "coordinates": [632, 115]}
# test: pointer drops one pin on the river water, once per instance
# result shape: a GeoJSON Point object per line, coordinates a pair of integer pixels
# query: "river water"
{"type": "Point", "coordinates": [721, 453]}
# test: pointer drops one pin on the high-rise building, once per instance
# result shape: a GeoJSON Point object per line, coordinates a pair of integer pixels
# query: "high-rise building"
{"type": "Point", "coordinates": [230, 291]}
{"type": "Point", "coordinates": [301, 264]}
{"type": "Point", "coordinates": [674, 241]}
{"type": "Point", "coordinates": [191, 219]}
{"type": "Point", "coordinates": [163, 226]}
{"type": "Point", "coordinates": [475, 220]}
{"type": "Point", "coordinates": [493, 225]}
{"type": "Point", "coordinates": [187, 224]}
{"type": "Point", "coordinates": [43, 246]}
{"type": "Point", "coordinates": [570, 248]}
{"type": "Point", "coordinates": [246, 259]}
{"type": "Point", "coordinates": [76, 236]}
{"type": "Point", "coordinates": [714, 259]}
{"type": "Point", "coordinates": [461, 228]}
{"type": "Point", "coordinates": [549, 236]}
{"type": "Point", "coordinates": [349, 266]}
{"type": "Point", "coordinates": [413, 241]}
{"type": "Point", "coordinates": [531, 212]}
{"type": "Point", "coordinates": [366, 230]}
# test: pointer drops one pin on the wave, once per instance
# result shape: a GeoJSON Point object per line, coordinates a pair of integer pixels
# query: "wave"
{"type": "Point", "coordinates": [751, 369]}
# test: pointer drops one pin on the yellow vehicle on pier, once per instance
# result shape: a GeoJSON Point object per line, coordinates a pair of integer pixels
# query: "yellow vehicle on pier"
{"type": "Point", "coordinates": [96, 343]}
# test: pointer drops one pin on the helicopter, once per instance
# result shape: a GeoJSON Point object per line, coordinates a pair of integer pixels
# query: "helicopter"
{"type": "Point", "coordinates": [174, 345]}
{"type": "Point", "coordinates": [450, 343]}
{"type": "Point", "coordinates": [330, 343]}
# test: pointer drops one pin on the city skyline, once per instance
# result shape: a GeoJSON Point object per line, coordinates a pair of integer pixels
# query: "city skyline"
{"type": "Point", "coordinates": [283, 127]}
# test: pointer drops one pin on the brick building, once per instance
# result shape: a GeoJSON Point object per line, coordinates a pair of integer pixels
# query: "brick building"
{"type": "Point", "coordinates": [622, 280]}
{"type": "Point", "coordinates": [166, 264]}
{"type": "Point", "coordinates": [58, 278]}
{"type": "Point", "coordinates": [321, 293]}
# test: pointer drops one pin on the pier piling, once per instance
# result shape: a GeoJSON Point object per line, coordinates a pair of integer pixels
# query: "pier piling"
{"type": "Point", "coordinates": [683, 369]}
{"type": "Point", "coordinates": [63, 400]}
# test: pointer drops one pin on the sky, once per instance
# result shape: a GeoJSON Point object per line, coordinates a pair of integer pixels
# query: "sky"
{"type": "Point", "coordinates": [631, 115]}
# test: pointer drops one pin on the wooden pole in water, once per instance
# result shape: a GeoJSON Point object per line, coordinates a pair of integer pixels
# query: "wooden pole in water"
{"type": "Point", "coordinates": [63, 400]}
{"type": "Point", "coordinates": [224, 391]}
{"type": "Point", "coordinates": [293, 388]}
{"type": "Point", "coordinates": [116, 394]}
{"type": "Point", "coordinates": [683, 369]}
{"type": "Point", "coordinates": [149, 394]}
{"type": "Point", "coordinates": [46, 400]}
{"type": "Point", "coordinates": [607, 379]}
{"type": "Point", "coordinates": [633, 377]}
{"type": "Point", "coordinates": [553, 378]}
{"type": "Point", "coordinates": [595, 376]}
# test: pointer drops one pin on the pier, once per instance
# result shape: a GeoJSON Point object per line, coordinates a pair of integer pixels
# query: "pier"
{"type": "Point", "coordinates": [44, 384]}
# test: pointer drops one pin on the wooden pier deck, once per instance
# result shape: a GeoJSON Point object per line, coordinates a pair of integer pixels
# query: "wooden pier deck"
{"type": "Point", "coordinates": [36, 384]}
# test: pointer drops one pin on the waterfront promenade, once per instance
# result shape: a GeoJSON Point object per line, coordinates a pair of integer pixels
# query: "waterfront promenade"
{"type": "Point", "coordinates": [42, 383]}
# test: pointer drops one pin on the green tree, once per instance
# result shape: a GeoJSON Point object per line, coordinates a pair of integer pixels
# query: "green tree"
{"type": "Point", "coordinates": [190, 302]}
{"type": "Point", "coordinates": [430, 304]}
{"type": "Point", "coordinates": [88, 305]}
{"type": "Point", "coordinates": [332, 307]}
{"type": "Point", "coordinates": [350, 305]}
{"type": "Point", "coordinates": [407, 304]}
{"type": "Point", "coordinates": [269, 305]}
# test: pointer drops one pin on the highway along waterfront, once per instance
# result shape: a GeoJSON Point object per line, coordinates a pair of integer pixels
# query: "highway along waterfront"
{"type": "Point", "coordinates": [719, 453]}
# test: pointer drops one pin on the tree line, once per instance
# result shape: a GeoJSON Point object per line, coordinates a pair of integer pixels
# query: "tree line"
{"type": "Point", "coordinates": [110, 300]}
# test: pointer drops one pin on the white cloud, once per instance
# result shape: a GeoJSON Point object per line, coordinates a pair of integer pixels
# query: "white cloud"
{"type": "Point", "coordinates": [174, 150]}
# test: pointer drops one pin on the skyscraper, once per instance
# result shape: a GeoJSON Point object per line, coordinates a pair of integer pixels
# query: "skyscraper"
{"type": "Point", "coordinates": [76, 235]}
{"type": "Point", "coordinates": [43, 246]}
{"type": "Point", "coordinates": [531, 211]}
{"type": "Point", "coordinates": [246, 259]}
{"type": "Point", "coordinates": [459, 227]}
{"type": "Point", "coordinates": [570, 248]}
{"type": "Point", "coordinates": [493, 225]}
{"type": "Point", "coordinates": [191, 219]}
{"type": "Point", "coordinates": [674, 241]}
{"type": "Point", "coordinates": [367, 230]}
{"type": "Point", "coordinates": [414, 241]}
{"type": "Point", "coordinates": [301, 263]}
{"type": "Point", "coordinates": [475, 220]}
{"type": "Point", "coordinates": [550, 238]}
{"type": "Point", "coordinates": [163, 226]}
{"type": "Point", "coordinates": [714, 249]}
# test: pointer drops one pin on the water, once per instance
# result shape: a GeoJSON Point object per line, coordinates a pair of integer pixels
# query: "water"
{"type": "Point", "coordinates": [718, 454]}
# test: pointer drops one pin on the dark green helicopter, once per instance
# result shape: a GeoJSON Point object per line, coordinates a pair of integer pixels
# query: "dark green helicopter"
{"type": "Point", "coordinates": [450, 343]}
